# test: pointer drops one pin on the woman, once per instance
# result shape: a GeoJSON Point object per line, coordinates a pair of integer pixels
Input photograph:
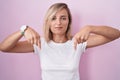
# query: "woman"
{"type": "Point", "coordinates": [59, 52]}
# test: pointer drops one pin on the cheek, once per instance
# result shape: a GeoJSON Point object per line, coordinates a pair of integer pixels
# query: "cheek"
{"type": "Point", "coordinates": [51, 27]}
{"type": "Point", "coordinates": [66, 25]}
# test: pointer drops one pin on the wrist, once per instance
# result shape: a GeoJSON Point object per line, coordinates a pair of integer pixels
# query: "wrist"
{"type": "Point", "coordinates": [23, 28]}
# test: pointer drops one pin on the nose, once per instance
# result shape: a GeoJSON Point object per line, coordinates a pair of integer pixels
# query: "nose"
{"type": "Point", "coordinates": [58, 21]}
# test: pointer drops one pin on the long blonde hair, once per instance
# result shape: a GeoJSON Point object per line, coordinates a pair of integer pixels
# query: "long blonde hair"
{"type": "Point", "coordinates": [50, 13]}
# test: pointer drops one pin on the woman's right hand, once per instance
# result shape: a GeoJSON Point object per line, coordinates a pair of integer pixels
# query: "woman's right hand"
{"type": "Point", "coordinates": [32, 36]}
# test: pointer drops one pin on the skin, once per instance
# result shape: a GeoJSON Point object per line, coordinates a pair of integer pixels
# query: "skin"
{"type": "Point", "coordinates": [58, 27]}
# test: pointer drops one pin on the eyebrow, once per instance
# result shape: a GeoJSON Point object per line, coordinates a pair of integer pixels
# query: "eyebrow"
{"type": "Point", "coordinates": [63, 16]}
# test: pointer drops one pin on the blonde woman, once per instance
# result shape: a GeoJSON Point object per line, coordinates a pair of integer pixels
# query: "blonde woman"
{"type": "Point", "coordinates": [59, 52]}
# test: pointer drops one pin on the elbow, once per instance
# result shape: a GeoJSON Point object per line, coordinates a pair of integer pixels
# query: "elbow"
{"type": "Point", "coordinates": [3, 49]}
{"type": "Point", "coordinates": [116, 36]}
{"type": "Point", "coordinates": [119, 34]}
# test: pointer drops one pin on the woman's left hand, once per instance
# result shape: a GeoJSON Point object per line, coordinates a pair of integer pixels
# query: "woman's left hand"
{"type": "Point", "coordinates": [82, 35]}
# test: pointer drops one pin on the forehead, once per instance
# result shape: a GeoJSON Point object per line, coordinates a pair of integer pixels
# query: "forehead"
{"type": "Point", "coordinates": [62, 12]}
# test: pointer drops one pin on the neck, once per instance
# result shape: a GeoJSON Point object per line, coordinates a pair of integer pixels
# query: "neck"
{"type": "Point", "coordinates": [59, 38]}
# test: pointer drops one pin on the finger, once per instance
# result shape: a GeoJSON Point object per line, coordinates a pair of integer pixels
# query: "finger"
{"type": "Point", "coordinates": [32, 41]}
{"type": "Point", "coordinates": [35, 41]}
{"type": "Point", "coordinates": [29, 41]}
{"type": "Point", "coordinates": [82, 39]}
{"type": "Point", "coordinates": [77, 39]}
{"type": "Point", "coordinates": [85, 38]}
{"type": "Point", "coordinates": [75, 43]}
{"type": "Point", "coordinates": [39, 44]}
{"type": "Point", "coordinates": [34, 38]}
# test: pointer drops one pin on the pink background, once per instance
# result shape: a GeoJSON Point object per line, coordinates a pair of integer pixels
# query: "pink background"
{"type": "Point", "coordinates": [99, 63]}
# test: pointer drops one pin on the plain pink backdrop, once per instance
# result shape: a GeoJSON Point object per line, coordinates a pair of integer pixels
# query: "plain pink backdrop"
{"type": "Point", "coordinates": [100, 63]}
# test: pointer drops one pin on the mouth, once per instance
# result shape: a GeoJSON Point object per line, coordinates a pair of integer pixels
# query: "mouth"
{"type": "Point", "coordinates": [58, 27]}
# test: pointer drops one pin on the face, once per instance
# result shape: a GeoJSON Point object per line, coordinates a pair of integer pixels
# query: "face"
{"type": "Point", "coordinates": [59, 23]}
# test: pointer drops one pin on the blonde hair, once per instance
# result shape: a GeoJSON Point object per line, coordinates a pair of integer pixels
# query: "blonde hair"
{"type": "Point", "coordinates": [50, 13]}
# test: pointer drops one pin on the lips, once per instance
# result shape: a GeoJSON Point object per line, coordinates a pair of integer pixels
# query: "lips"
{"type": "Point", "coordinates": [58, 27]}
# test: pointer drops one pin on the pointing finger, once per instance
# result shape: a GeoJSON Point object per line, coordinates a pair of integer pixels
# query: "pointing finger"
{"type": "Point", "coordinates": [75, 43]}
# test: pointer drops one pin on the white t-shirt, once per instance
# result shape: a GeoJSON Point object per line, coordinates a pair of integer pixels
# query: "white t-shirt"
{"type": "Point", "coordinates": [59, 61]}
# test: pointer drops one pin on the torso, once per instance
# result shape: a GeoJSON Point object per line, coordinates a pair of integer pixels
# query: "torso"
{"type": "Point", "coordinates": [60, 61]}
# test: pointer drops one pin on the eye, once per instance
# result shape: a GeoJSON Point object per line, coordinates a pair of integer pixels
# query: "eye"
{"type": "Point", "coordinates": [54, 18]}
{"type": "Point", "coordinates": [63, 18]}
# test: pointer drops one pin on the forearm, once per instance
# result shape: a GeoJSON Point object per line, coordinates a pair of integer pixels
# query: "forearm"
{"type": "Point", "coordinates": [105, 31]}
{"type": "Point", "coordinates": [10, 41]}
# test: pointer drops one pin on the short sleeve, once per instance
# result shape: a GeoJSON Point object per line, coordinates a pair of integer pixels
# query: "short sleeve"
{"type": "Point", "coordinates": [36, 48]}
{"type": "Point", "coordinates": [82, 46]}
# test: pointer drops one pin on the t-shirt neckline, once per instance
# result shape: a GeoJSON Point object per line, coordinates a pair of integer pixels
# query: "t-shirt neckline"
{"type": "Point", "coordinates": [55, 43]}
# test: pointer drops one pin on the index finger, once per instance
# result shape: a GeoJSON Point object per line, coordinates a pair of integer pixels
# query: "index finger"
{"type": "Point", "coordinates": [39, 43]}
{"type": "Point", "coordinates": [75, 43]}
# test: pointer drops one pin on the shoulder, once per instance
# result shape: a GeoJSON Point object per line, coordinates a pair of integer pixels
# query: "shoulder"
{"type": "Point", "coordinates": [81, 46]}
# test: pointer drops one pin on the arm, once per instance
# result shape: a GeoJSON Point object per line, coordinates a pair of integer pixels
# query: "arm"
{"type": "Point", "coordinates": [100, 35]}
{"type": "Point", "coordinates": [12, 43]}
{"type": "Point", "coordinates": [103, 34]}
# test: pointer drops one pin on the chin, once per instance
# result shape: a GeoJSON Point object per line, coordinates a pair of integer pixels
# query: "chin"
{"type": "Point", "coordinates": [59, 33]}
